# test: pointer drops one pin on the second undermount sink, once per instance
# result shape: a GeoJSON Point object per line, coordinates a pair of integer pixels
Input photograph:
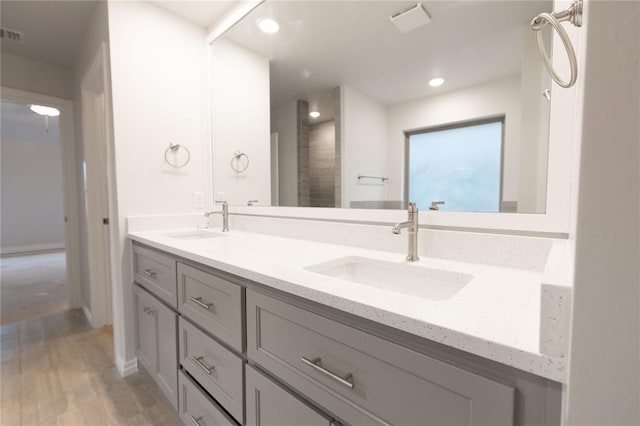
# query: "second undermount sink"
{"type": "Point", "coordinates": [197, 234]}
{"type": "Point", "coordinates": [420, 281]}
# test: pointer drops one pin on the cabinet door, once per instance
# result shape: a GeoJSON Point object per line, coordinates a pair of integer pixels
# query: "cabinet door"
{"type": "Point", "coordinates": [156, 342]}
{"type": "Point", "coordinates": [145, 336]}
{"type": "Point", "coordinates": [270, 405]}
{"type": "Point", "coordinates": [165, 327]}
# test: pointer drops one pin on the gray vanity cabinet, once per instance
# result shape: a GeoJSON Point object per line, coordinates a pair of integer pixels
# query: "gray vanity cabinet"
{"type": "Point", "coordinates": [198, 409]}
{"type": "Point", "coordinates": [215, 368]}
{"type": "Point", "coordinates": [156, 346]}
{"type": "Point", "coordinates": [363, 379]}
{"type": "Point", "coordinates": [157, 273]}
{"type": "Point", "coordinates": [270, 405]}
{"type": "Point", "coordinates": [212, 303]}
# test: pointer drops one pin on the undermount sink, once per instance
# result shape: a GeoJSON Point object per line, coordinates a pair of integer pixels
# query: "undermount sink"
{"type": "Point", "coordinates": [420, 281]}
{"type": "Point", "coordinates": [194, 235]}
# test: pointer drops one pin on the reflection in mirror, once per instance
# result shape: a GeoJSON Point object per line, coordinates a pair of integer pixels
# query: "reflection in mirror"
{"type": "Point", "coordinates": [370, 104]}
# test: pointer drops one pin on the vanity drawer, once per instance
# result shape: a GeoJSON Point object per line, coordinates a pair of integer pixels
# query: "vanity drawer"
{"type": "Point", "coordinates": [197, 408]}
{"type": "Point", "coordinates": [157, 273]}
{"type": "Point", "coordinates": [270, 405]}
{"type": "Point", "coordinates": [212, 303]}
{"type": "Point", "coordinates": [363, 379]}
{"type": "Point", "coordinates": [216, 369]}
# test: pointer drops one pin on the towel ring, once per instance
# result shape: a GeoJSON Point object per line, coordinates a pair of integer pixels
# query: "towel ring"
{"type": "Point", "coordinates": [175, 148]}
{"type": "Point", "coordinates": [574, 15]}
{"type": "Point", "coordinates": [236, 158]}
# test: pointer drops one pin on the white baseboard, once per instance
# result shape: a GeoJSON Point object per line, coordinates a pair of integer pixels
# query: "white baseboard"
{"type": "Point", "coordinates": [126, 368]}
{"type": "Point", "coordinates": [31, 249]}
{"type": "Point", "coordinates": [87, 313]}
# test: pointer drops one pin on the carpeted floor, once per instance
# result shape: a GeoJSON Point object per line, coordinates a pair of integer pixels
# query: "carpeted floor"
{"type": "Point", "coordinates": [32, 286]}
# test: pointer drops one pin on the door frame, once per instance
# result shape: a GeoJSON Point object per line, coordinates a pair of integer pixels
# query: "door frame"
{"type": "Point", "coordinates": [94, 91]}
{"type": "Point", "coordinates": [69, 182]}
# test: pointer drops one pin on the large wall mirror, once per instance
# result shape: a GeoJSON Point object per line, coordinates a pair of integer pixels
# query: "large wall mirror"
{"type": "Point", "coordinates": [370, 104]}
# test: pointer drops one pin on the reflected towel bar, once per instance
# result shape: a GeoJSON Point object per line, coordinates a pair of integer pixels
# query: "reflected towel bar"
{"type": "Point", "coordinates": [382, 178]}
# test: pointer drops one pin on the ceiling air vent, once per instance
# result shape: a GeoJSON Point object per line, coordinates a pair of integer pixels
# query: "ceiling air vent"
{"type": "Point", "coordinates": [11, 35]}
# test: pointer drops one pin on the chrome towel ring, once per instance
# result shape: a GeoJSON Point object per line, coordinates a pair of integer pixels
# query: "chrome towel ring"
{"type": "Point", "coordinates": [175, 148]}
{"type": "Point", "coordinates": [574, 15]}
{"type": "Point", "coordinates": [236, 163]}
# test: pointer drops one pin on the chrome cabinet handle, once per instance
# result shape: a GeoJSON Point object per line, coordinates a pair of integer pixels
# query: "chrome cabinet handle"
{"type": "Point", "coordinates": [198, 301]}
{"type": "Point", "coordinates": [315, 364]}
{"type": "Point", "coordinates": [198, 361]}
{"type": "Point", "coordinates": [196, 421]}
{"type": "Point", "coordinates": [150, 273]}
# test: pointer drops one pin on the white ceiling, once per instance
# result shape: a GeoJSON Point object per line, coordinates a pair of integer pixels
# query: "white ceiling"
{"type": "Point", "coordinates": [53, 30]}
{"type": "Point", "coordinates": [200, 12]}
{"type": "Point", "coordinates": [322, 44]}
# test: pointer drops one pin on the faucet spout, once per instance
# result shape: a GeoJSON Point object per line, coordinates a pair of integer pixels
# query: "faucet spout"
{"type": "Point", "coordinates": [412, 225]}
{"type": "Point", "coordinates": [400, 226]}
{"type": "Point", "coordinates": [225, 215]}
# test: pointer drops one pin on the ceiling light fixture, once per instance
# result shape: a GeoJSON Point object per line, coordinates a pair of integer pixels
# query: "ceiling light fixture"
{"type": "Point", "coordinates": [268, 26]}
{"type": "Point", "coordinates": [435, 82]}
{"type": "Point", "coordinates": [45, 110]}
{"type": "Point", "coordinates": [314, 114]}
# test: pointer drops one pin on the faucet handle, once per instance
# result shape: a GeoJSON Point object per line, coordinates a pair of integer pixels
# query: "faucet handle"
{"type": "Point", "coordinates": [221, 202]}
{"type": "Point", "coordinates": [435, 204]}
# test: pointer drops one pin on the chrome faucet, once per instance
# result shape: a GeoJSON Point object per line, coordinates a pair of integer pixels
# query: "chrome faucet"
{"type": "Point", "coordinates": [225, 215]}
{"type": "Point", "coordinates": [412, 225]}
{"type": "Point", "coordinates": [435, 204]}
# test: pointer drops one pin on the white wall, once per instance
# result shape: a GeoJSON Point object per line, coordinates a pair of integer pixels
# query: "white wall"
{"type": "Point", "coordinates": [534, 130]}
{"type": "Point", "coordinates": [364, 148]}
{"type": "Point", "coordinates": [159, 90]}
{"type": "Point", "coordinates": [604, 374]}
{"type": "Point", "coordinates": [284, 121]}
{"type": "Point", "coordinates": [240, 98]}
{"type": "Point", "coordinates": [30, 75]}
{"type": "Point", "coordinates": [32, 191]}
{"type": "Point", "coordinates": [491, 99]}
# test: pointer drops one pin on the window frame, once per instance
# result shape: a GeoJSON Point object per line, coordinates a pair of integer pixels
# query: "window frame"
{"type": "Point", "coordinates": [501, 118]}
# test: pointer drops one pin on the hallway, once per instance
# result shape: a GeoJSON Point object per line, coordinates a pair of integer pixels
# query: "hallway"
{"type": "Point", "coordinates": [57, 370]}
{"type": "Point", "coordinates": [33, 286]}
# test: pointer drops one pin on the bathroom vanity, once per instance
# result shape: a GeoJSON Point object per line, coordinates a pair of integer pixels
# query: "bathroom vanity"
{"type": "Point", "coordinates": [244, 328]}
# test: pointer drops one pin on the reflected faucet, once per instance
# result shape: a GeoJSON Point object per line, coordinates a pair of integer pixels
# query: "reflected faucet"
{"type": "Point", "coordinates": [225, 215]}
{"type": "Point", "coordinates": [412, 225]}
{"type": "Point", "coordinates": [435, 204]}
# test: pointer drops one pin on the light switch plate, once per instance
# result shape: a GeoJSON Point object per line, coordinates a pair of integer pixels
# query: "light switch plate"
{"type": "Point", "coordinates": [198, 200]}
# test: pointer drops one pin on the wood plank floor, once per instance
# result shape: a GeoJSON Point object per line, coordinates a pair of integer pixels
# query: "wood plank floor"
{"type": "Point", "coordinates": [57, 370]}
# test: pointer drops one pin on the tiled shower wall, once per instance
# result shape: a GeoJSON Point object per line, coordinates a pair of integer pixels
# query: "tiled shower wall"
{"type": "Point", "coordinates": [322, 164]}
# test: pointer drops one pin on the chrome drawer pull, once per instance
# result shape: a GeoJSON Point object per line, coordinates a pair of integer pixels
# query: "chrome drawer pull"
{"type": "Point", "coordinates": [315, 363]}
{"type": "Point", "coordinates": [198, 301]}
{"type": "Point", "coordinates": [198, 361]}
{"type": "Point", "coordinates": [196, 421]}
{"type": "Point", "coordinates": [150, 273]}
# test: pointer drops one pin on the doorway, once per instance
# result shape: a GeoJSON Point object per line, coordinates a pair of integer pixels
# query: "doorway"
{"type": "Point", "coordinates": [37, 279]}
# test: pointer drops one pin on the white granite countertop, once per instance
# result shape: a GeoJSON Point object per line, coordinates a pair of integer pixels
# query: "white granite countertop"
{"type": "Point", "coordinates": [495, 316]}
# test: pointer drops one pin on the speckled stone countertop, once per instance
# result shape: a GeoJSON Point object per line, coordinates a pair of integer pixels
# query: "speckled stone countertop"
{"type": "Point", "coordinates": [495, 316]}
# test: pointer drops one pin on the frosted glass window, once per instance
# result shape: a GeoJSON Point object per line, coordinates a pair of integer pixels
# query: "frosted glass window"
{"type": "Point", "coordinates": [461, 166]}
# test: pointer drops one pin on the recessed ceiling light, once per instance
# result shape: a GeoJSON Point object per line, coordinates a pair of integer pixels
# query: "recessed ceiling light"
{"type": "Point", "coordinates": [268, 26]}
{"type": "Point", "coordinates": [45, 110]}
{"type": "Point", "coordinates": [314, 114]}
{"type": "Point", "coordinates": [435, 82]}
